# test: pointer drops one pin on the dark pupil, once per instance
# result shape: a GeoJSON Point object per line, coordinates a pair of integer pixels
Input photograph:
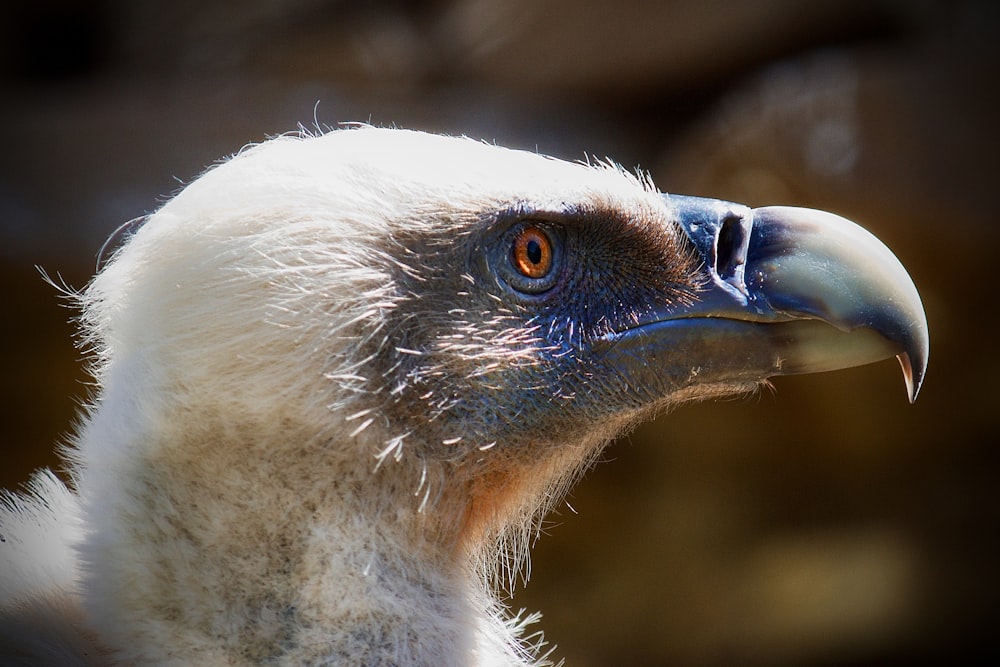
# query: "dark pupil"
{"type": "Point", "coordinates": [534, 252]}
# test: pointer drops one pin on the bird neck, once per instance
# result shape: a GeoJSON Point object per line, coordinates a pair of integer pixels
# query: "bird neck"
{"type": "Point", "coordinates": [253, 542]}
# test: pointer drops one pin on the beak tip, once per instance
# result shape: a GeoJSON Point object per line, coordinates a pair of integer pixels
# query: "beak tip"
{"type": "Point", "coordinates": [913, 377]}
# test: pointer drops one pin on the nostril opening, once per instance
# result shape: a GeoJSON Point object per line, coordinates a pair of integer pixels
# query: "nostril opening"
{"type": "Point", "coordinates": [730, 247]}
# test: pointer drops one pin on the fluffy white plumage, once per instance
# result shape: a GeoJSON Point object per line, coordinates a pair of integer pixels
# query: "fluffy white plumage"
{"type": "Point", "coordinates": [236, 457]}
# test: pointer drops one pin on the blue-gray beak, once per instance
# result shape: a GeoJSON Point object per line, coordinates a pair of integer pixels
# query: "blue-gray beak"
{"type": "Point", "coordinates": [787, 290]}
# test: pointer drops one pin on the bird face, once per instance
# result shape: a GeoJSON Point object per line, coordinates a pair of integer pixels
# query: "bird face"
{"type": "Point", "coordinates": [504, 355]}
{"type": "Point", "coordinates": [527, 332]}
{"type": "Point", "coordinates": [491, 316]}
{"type": "Point", "coordinates": [545, 322]}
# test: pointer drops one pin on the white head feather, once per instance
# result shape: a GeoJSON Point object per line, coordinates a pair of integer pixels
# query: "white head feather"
{"type": "Point", "coordinates": [247, 435]}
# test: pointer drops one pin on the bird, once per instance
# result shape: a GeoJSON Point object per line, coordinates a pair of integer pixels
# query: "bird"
{"type": "Point", "coordinates": [341, 377]}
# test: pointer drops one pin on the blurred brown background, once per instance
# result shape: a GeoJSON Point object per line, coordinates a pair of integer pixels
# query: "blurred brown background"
{"type": "Point", "coordinates": [826, 523]}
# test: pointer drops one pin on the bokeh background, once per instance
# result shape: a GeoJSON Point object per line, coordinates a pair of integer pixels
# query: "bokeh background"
{"type": "Point", "coordinates": [825, 523]}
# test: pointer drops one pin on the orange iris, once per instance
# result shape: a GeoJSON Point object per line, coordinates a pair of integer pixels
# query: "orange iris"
{"type": "Point", "coordinates": [532, 253]}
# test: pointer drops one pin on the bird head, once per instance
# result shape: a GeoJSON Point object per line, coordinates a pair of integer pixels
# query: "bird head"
{"type": "Point", "coordinates": [467, 325]}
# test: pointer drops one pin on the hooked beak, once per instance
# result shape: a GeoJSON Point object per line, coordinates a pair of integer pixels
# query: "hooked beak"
{"type": "Point", "coordinates": [787, 291]}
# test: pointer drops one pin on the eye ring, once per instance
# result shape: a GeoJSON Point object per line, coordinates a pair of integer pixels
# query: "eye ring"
{"type": "Point", "coordinates": [527, 257]}
{"type": "Point", "coordinates": [531, 253]}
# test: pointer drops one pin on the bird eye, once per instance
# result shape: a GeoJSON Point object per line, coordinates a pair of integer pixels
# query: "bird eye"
{"type": "Point", "coordinates": [528, 256]}
{"type": "Point", "coordinates": [531, 253]}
